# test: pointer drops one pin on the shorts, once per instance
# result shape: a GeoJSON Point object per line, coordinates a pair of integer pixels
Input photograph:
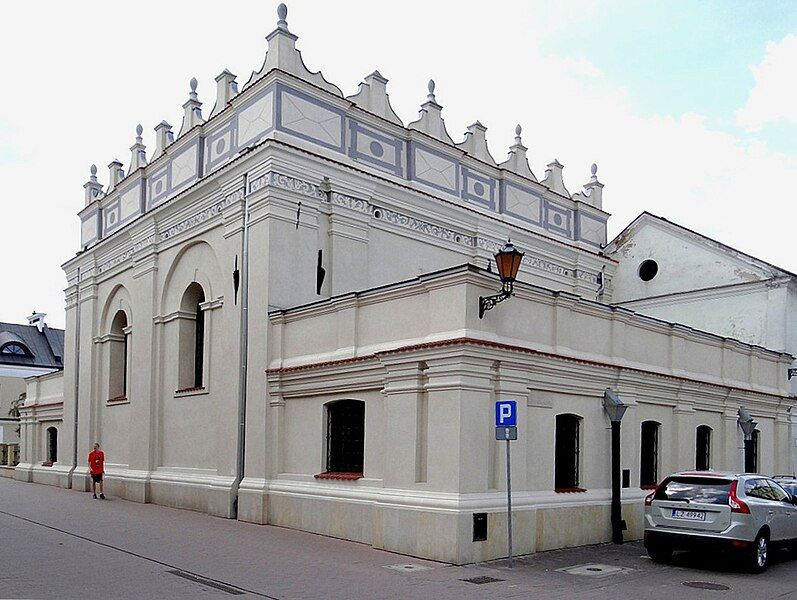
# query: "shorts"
{"type": "Point", "coordinates": [96, 477]}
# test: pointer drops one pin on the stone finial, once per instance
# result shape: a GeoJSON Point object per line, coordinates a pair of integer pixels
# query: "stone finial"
{"type": "Point", "coordinates": [138, 151]}
{"type": "Point", "coordinates": [163, 137]}
{"type": "Point", "coordinates": [430, 87]}
{"type": "Point", "coordinates": [283, 55]}
{"type": "Point", "coordinates": [475, 143]}
{"type": "Point", "coordinates": [372, 96]}
{"type": "Point", "coordinates": [553, 178]}
{"type": "Point", "coordinates": [430, 119]}
{"type": "Point", "coordinates": [517, 161]}
{"type": "Point", "coordinates": [593, 190]}
{"type": "Point", "coordinates": [282, 15]}
{"type": "Point", "coordinates": [192, 110]}
{"type": "Point", "coordinates": [92, 187]}
{"type": "Point", "coordinates": [226, 90]}
{"type": "Point", "coordinates": [116, 173]}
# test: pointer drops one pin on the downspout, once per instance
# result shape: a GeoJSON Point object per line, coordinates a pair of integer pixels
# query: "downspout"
{"type": "Point", "coordinates": [77, 379]}
{"type": "Point", "coordinates": [244, 349]}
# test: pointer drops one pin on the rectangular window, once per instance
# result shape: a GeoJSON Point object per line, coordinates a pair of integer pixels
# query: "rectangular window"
{"type": "Point", "coordinates": [566, 457]}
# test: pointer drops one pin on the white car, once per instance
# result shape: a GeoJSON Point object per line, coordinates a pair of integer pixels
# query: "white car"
{"type": "Point", "coordinates": [743, 512]}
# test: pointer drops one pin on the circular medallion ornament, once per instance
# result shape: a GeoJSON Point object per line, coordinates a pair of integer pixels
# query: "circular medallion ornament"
{"type": "Point", "coordinates": [220, 145]}
{"type": "Point", "coordinates": [376, 149]}
{"type": "Point", "coordinates": [557, 219]}
{"type": "Point", "coordinates": [478, 188]}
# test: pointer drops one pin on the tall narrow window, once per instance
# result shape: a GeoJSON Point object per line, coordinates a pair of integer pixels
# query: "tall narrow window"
{"type": "Point", "coordinates": [199, 343]}
{"type": "Point", "coordinates": [751, 453]}
{"type": "Point", "coordinates": [191, 368]}
{"type": "Point", "coordinates": [52, 445]}
{"type": "Point", "coordinates": [566, 457]}
{"type": "Point", "coordinates": [649, 454]}
{"type": "Point", "coordinates": [118, 364]}
{"type": "Point", "coordinates": [345, 436]}
{"type": "Point", "coordinates": [703, 448]}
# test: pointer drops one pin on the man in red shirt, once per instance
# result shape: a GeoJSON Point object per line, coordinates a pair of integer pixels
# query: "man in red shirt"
{"type": "Point", "coordinates": [97, 468]}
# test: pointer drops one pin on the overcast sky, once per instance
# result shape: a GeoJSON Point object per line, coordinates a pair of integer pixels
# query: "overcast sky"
{"type": "Point", "coordinates": [689, 109]}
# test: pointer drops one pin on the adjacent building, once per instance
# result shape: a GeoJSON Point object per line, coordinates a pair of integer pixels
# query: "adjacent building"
{"type": "Point", "coordinates": [25, 351]}
{"type": "Point", "coordinates": [276, 318]}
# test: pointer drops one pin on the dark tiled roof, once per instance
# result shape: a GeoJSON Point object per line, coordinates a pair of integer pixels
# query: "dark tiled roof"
{"type": "Point", "coordinates": [46, 347]}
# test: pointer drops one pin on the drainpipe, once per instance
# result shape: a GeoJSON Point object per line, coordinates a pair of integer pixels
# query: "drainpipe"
{"type": "Point", "coordinates": [244, 349]}
{"type": "Point", "coordinates": [77, 380]}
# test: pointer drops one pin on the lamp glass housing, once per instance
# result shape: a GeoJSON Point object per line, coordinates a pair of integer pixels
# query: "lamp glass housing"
{"type": "Point", "coordinates": [508, 260]}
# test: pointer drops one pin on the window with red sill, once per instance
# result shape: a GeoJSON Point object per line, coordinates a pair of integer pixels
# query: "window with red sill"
{"type": "Point", "coordinates": [345, 441]}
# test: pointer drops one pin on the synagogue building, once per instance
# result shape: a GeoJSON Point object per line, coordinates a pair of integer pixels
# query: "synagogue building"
{"type": "Point", "coordinates": [275, 315]}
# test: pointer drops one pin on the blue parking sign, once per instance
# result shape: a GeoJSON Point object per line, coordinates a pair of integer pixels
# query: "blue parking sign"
{"type": "Point", "coordinates": [505, 413]}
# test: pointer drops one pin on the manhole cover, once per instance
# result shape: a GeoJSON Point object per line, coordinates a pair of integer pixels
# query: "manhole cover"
{"type": "Point", "coordinates": [408, 568]}
{"type": "Point", "coordinates": [707, 585]}
{"type": "Point", "coordinates": [481, 579]}
{"type": "Point", "coordinates": [594, 570]}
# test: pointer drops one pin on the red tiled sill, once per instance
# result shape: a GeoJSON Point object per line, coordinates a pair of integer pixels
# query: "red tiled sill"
{"type": "Point", "coordinates": [191, 389]}
{"type": "Point", "coordinates": [117, 399]}
{"type": "Point", "coordinates": [47, 463]}
{"type": "Point", "coordinates": [575, 490]}
{"type": "Point", "coordinates": [651, 486]}
{"type": "Point", "coordinates": [338, 475]}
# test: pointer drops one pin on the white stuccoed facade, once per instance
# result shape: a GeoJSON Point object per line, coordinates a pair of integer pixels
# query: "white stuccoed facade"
{"type": "Point", "coordinates": [366, 244]}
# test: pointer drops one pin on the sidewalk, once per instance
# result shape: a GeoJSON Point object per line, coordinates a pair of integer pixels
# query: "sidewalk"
{"type": "Point", "coordinates": [62, 544]}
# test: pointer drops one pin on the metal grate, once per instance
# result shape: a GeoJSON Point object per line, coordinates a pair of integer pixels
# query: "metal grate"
{"type": "Point", "coordinates": [481, 579]}
{"type": "Point", "coordinates": [207, 582]}
{"type": "Point", "coordinates": [707, 585]}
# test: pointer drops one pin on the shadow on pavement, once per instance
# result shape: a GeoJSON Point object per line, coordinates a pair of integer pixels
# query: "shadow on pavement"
{"type": "Point", "coordinates": [727, 562]}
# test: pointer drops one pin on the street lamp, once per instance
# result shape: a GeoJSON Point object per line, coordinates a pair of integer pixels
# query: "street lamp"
{"type": "Point", "coordinates": [508, 260]}
{"type": "Point", "coordinates": [748, 425]}
{"type": "Point", "coordinates": [615, 409]}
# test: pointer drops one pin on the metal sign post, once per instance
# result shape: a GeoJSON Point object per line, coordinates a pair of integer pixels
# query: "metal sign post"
{"type": "Point", "coordinates": [506, 429]}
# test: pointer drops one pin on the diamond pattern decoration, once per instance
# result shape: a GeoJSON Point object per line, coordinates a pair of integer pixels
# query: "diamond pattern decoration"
{"type": "Point", "coordinates": [435, 169]}
{"type": "Point", "coordinates": [255, 119]}
{"type": "Point", "coordinates": [310, 119]}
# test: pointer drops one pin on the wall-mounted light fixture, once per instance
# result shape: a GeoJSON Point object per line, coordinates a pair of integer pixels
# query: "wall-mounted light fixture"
{"type": "Point", "coordinates": [508, 260]}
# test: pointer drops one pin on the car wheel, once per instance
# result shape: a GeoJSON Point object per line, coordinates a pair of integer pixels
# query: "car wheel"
{"type": "Point", "coordinates": [659, 552]}
{"type": "Point", "coordinates": [759, 554]}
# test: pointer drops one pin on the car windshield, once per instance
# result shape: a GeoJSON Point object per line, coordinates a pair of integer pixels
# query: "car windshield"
{"type": "Point", "coordinates": [789, 486]}
{"type": "Point", "coordinates": [707, 490]}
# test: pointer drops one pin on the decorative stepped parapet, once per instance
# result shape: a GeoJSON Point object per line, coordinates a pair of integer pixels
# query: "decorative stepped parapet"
{"type": "Point", "coordinates": [226, 90]}
{"type": "Point", "coordinates": [517, 161]}
{"type": "Point", "coordinates": [283, 55]}
{"type": "Point", "coordinates": [431, 120]}
{"type": "Point", "coordinates": [593, 190]}
{"type": "Point", "coordinates": [475, 143]}
{"type": "Point", "coordinates": [553, 178]}
{"type": "Point", "coordinates": [372, 96]}
{"type": "Point", "coordinates": [138, 152]}
{"type": "Point", "coordinates": [192, 110]}
{"type": "Point", "coordinates": [287, 102]}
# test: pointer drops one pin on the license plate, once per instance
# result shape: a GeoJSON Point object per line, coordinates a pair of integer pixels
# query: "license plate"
{"type": "Point", "coordinates": [688, 515]}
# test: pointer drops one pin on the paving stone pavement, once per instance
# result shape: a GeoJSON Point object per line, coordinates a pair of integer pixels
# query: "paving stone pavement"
{"type": "Point", "coordinates": [58, 543]}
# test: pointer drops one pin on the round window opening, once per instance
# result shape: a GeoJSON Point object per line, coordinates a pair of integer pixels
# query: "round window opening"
{"type": "Point", "coordinates": [648, 270]}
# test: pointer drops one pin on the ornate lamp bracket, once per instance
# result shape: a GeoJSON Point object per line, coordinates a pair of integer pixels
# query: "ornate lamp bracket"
{"type": "Point", "coordinates": [488, 302]}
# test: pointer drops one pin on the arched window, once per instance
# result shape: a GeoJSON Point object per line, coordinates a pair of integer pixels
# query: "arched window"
{"type": "Point", "coordinates": [649, 454]}
{"type": "Point", "coordinates": [15, 349]}
{"type": "Point", "coordinates": [52, 445]}
{"type": "Point", "coordinates": [345, 436]}
{"type": "Point", "coordinates": [119, 352]}
{"type": "Point", "coordinates": [192, 339]}
{"type": "Point", "coordinates": [751, 453]}
{"type": "Point", "coordinates": [703, 448]}
{"type": "Point", "coordinates": [566, 457]}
